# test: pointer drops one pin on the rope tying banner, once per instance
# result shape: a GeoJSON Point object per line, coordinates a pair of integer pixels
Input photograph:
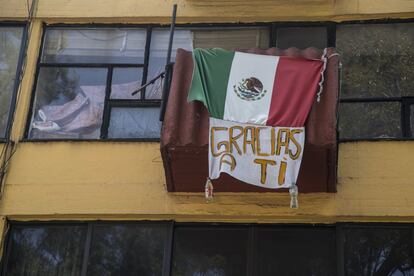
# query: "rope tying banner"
{"type": "Point", "coordinates": [324, 60]}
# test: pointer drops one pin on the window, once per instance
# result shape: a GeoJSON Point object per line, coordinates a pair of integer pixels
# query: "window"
{"type": "Point", "coordinates": [301, 36]}
{"type": "Point", "coordinates": [127, 249]}
{"type": "Point", "coordinates": [10, 47]}
{"type": "Point", "coordinates": [45, 250]}
{"type": "Point", "coordinates": [164, 248]}
{"type": "Point", "coordinates": [210, 251]}
{"type": "Point", "coordinates": [378, 251]}
{"type": "Point", "coordinates": [86, 249]}
{"type": "Point", "coordinates": [280, 248]}
{"type": "Point", "coordinates": [377, 80]}
{"type": "Point", "coordinates": [85, 80]}
{"type": "Point", "coordinates": [86, 77]}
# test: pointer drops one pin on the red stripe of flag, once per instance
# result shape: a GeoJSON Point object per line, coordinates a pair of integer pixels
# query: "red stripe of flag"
{"type": "Point", "coordinates": [294, 91]}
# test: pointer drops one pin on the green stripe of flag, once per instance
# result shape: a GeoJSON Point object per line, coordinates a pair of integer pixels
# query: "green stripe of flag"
{"type": "Point", "coordinates": [210, 78]}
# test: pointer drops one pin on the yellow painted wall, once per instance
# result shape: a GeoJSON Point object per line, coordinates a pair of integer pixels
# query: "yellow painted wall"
{"type": "Point", "coordinates": [89, 180]}
{"type": "Point", "coordinates": [207, 10]}
{"type": "Point", "coordinates": [125, 180]}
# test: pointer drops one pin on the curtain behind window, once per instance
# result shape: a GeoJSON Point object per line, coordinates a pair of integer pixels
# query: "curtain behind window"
{"type": "Point", "coordinates": [232, 39]}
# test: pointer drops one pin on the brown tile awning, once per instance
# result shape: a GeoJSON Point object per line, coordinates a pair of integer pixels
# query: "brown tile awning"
{"type": "Point", "coordinates": [184, 138]}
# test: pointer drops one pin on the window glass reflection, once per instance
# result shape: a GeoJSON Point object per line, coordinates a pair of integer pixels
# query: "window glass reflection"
{"type": "Point", "coordinates": [10, 43]}
{"type": "Point", "coordinates": [69, 103]}
{"type": "Point", "coordinates": [101, 45]}
{"type": "Point", "coordinates": [370, 120]}
{"type": "Point", "coordinates": [295, 251]}
{"type": "Point", "coordinates": [375, 252]}
{"type": "Point", "coordinates": [158, 55]}
{"type": "Point", "coordinates": [124, 82]}
{"type": "Point", "coordinates": [131, 122]}
{"type": "Point", "coordinates": [209, 252]}
{"type": "Point", "coordinates": [48, 250]}
{"type": "Point", "coordinates": [127, 250]}
{"type": "Point", "coordinates": [376, 60]}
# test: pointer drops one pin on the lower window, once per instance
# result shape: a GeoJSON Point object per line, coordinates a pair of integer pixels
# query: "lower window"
{"type": "Point", "coordinates": [162, 248]}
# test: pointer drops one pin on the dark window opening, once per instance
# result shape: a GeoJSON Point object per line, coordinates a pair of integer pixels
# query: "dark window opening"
{"type": "Point", "coordinates": [162, 248]}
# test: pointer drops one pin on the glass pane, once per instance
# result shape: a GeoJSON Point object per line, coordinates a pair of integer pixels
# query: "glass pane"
{"type": "Point", "coordinates": [302, 37]}
{"type": "Point", "coordinates": [377, 59]}
{"type": "Point", "coordinates": [204, 251]}
{"type": "Point", "coordinates": [231, 39]}
{"type": "Point", "coordinates": [125, 81]}
{"type": "Point", "coordinates": [127, 250]}
{"type": "Point", "coordinates": [48, 250]}
{"type": "Point", "coordinates": [10, 42]}
{"type": "Point", "coordinates": [412, 120]}
{"type": "Point", "coordinates": [288, 251]}
{"type": "Point", "coordinates": [81, 45]}
{"type": "Point", "coordinates": [134, 122]}
{"type": "Point", "coordinates": [370, 120]}
{"type": "Point", "coordinates": [69, 103]}
{"type": "Point", "coordinates": [158, 56]}
{"type": "Point", "coordinates": [378, 252]}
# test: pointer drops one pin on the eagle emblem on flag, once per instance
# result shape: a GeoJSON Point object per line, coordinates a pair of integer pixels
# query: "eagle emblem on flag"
{"type": "Point", "coordinates": [250, 89]}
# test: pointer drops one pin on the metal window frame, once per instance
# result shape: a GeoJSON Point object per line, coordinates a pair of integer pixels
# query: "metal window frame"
{"type": "Point", "coordinates": [272, 27]}
{"type": "Point", "coordinates": [405, 117]}
{"type": "Point", "coordinates": [252, 231]}
{"type": "Point", "coordinates": [16, 83]}
{"type": "Point", "coordinates": [108, 102]}
{"type": "Point", "coordinates": [407, 134]}
{"type": "Point", "coordinates": [89, 225]}
{"type": "Point", "coordinates": [405, 103]}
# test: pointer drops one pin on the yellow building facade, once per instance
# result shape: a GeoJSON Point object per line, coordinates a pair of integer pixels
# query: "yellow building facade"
{"type": "Point", "coordinates": [81, 181]}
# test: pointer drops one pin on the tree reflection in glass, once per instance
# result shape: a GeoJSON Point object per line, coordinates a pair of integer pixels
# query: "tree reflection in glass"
{"type": "Point", "coordinates": [127, 250]}
{"type": "Point", "coordinates": [209, 252]}
{"type": "Point", "coordinates": [378, 252]}
{"type": "Point", "coordinates": [47, 250]}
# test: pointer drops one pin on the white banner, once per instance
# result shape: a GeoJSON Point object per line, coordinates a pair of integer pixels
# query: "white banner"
{"type": "Point", "coordinates": [264, 156]}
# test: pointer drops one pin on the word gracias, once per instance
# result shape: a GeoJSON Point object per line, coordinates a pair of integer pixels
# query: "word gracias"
{"type": "Point", "coordinates": [250, 140]}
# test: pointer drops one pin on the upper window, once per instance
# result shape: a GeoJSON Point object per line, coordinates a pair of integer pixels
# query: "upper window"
{"type": "Point", "coordinates": [10, 44]}
{"type": "Point", "coordinates": [302, 37]}
{"type": "Point", "coordinates": [86, 78]}
{"type": "Point", "coordinates": [377, 97]}
{"type": "Point", "coordinates": [85, 81]}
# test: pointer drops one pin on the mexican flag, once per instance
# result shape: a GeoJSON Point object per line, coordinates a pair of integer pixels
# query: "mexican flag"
{"type": "Point", "coordinates": [258, 106]}
{"type": "Point", "coordinates": [257, 89]}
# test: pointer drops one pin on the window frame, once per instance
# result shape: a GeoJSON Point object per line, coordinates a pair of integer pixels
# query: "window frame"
{"type": "Point", "coordinates": [22, 53]}
{"type": "Point", "coordinates": [405, 101]}
{"type": "Point", "coordinates": [331, 26]}
{"type": "Point", "coordinates": [108, 103]}
{"type": "Point", "coordinates": [272, 27]}
{"type": "Point", "coordinates": [89, 225]}
{"type": "Point", "coordinates": [252, 241]}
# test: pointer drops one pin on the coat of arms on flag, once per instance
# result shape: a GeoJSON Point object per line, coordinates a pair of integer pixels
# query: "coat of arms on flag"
{"type": "Point", "coordinates": [258, 105]}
